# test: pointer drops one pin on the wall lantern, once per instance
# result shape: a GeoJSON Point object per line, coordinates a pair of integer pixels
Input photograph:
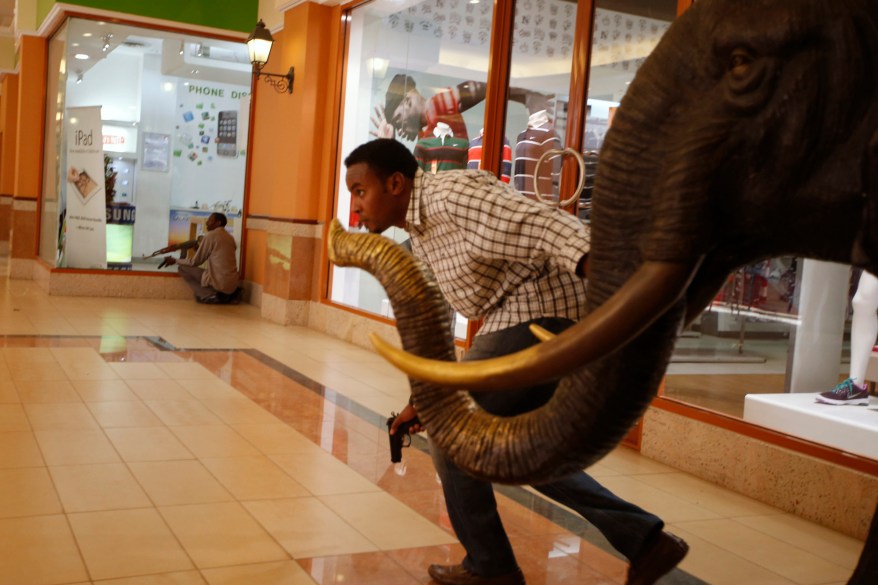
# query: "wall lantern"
{"type": "Point", "coordinates": [259, 48]}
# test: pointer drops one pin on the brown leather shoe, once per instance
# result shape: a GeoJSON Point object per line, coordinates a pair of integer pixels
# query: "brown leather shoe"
{"type": "Point", "coordinates": [457, 575]}
{"type": "Point", "coordinates": [662, 555]}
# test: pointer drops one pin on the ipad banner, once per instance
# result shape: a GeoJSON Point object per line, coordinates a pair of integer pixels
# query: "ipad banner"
{"type": "Point", "coordinates": [86, 224]}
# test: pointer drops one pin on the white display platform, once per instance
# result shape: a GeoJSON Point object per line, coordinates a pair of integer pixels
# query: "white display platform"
{"type": "Point", "coordinates": [850, 428]}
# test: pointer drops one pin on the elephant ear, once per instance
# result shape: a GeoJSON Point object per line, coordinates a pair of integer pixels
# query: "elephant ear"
{"type": "Point", "coordinates": [865, 250]}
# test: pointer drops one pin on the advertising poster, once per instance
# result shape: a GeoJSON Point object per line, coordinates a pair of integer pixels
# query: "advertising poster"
{"type": "Point", "coordinates": [86, 231]}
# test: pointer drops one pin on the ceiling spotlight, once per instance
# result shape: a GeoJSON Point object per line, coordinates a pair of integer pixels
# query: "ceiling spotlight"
{"type": "Point", "coordinates": [106, 40]}
{"type": "Point", "coordinates": [78, 77]}
{"type": "Point", "coordinates": [199, 52]}
{"type": "Point", "coordinates": [182, 47]}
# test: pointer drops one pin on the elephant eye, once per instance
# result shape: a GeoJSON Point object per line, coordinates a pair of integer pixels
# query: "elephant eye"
{"type": "Point", "coordinates": [739, 62]}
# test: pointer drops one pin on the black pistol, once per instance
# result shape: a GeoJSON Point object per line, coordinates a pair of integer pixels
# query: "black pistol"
{"type": "Point", "coordinates": [402, 434]}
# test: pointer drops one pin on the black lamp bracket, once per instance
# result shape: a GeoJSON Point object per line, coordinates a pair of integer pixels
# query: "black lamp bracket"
{"type": "Point", "coordinates": [280, 83]}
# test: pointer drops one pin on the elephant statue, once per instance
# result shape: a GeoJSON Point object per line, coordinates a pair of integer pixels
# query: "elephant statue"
{"type": "Point", "coordinates": [750, 132]}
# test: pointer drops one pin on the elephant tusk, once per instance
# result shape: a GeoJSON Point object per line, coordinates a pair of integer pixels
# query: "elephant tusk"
{"type": "Point", "coordinates": [540, 333]}
{"type": "Point", "coordinates": [645, 297]}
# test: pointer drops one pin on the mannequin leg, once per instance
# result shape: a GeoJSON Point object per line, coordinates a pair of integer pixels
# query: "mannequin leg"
{"type": "Point", "coordinates": [864, 326]}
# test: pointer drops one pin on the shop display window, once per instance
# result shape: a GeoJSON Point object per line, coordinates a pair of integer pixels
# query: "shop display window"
{"type": "Point", "coordinates": [145, 137]}
{"type": "Point", "coordinates": [415, 71]}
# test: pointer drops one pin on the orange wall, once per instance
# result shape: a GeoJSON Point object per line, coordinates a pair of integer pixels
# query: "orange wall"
{"type": "Point", "coordinates": [8, 118]}
{"type": "Point", "coordinates": [31, 114]}
{"type": "Point", "coordinates": [290, 132]}
{"type": "Point", "coordinates": [292, 165]}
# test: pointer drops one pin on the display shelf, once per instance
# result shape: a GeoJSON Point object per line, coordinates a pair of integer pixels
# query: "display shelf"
{"type": "Point", "coordinates": [853, 429]}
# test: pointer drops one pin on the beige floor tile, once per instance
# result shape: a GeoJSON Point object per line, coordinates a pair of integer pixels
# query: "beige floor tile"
{"type": "Point", "coordinates": [628, 461]}
{"type": "Point", "coordinates": [125, 543]}
{"type": "Point", "coordinates": [124, 414]}
{"type": "Point", "coordinates": [138, 371]}
{"type": "Point", "coordinates": [175, 413]}
{"type": "Point", "coordinates": [179, 578]}
{"type": "Point", "coordinates": [214, 441]}
{"type": "Point", "coordinates": [5, 375]}
{"type": "Point", "coordinates": [75, 447]}
{"type": "Point", "coordinates": [20, 355]}
{"type": "Point", "coordinates": [104, 390]}
{"type": "Point", "coordinates": [13, 418]}
{"type": "Point", "coordinates": [773, 554]}
{"type": "Point", "coordinates": [368, 513]}
{"type": "Point", "coordinates": [208, 388]}
{"type": "Point", "coordinates": [60, 416]}
{"type": "Point", "coordinates": [221, 535]}
{"type": "Point", "coordinates": [30, 391]}
{"type": "Point", "coordinates": [171, 483]}
{"type": "Point", "coordinates": [48, 371]}
{"type": "Point", "coordinates": [83, 364]}
{"type": "Point", "coordinates": [148, 444]}
{"type": "Point", "coordinates": [667, 506]}
{"type": "Point", "coordinates": [8, 391]}
{"type": "Point", "coordinates": [19, 449]}
{"type": "Point", "coordinates": [152, 390]}
{"type": "Point", "coordinates": [254, 478]}
{"type": "Point", "coordinates": [723, 502]}
{"type": "Point", "coordinates": [275, 438]}
{"type": "Point", "coordinates": [185, 371]}
{"type": "Point", "coordinates": [715, 565]}
{"type": "Point", "coordinates": [88, 488]}
{"type": "Point", "coordinates": [322, 474]}
{"type": "Point", "coordinates": [306, 527]}
{"type": "Point", "coordinates": [286, 572]}
{"type": "Point", "coordinates": [24, 559]}
{"type": "Point", "coordinates": [819, 541]}
{"type": "Point", "coordinates": [27, 491]}
{"type": "Point", "coordinates": [239, 410]}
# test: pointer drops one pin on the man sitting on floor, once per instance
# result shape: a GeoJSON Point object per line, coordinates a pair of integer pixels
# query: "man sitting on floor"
{"type": "Point", "coordinates": [219, 283]}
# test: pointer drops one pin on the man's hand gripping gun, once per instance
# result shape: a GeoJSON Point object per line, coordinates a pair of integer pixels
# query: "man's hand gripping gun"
{"type": "Point", "coordinates": [401, 438]}
{"type": "Point", "coordinates": [183, 247]}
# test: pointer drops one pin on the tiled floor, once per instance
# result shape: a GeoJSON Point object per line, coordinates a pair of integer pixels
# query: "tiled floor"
{"type": "Point", "coordinates": [257, 455]}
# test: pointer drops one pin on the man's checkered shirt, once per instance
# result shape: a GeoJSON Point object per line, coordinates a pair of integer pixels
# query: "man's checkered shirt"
{"type": "Point", "coordinates": [496, 254]}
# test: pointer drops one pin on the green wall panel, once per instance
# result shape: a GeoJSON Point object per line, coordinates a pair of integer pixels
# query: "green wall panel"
{"type": "Point", "coordinates": [239, 15]}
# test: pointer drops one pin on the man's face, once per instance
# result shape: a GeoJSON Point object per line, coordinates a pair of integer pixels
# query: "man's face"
{"type": "Point", "coordinates": [371, 199]}
{"type": "Point", "coordinates": [407, 115]}
{"type": "Point", "coordinates": [212, 223]}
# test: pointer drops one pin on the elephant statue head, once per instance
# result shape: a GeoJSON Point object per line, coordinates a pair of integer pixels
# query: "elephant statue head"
{"type": "Point", "coordinates": [750, 132]}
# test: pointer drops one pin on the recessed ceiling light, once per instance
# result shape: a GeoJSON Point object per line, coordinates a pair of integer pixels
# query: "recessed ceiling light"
{"type": "Point", "coordinates": [86, 35]}
{"type": "Point", "coordinates": [81, 56]}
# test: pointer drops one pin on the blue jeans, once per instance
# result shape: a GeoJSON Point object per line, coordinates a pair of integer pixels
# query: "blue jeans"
{"type": "Point", "coordinates": [471, 505]}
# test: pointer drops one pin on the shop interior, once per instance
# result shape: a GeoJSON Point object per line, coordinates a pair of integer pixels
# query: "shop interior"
{"type": "Point", "coordinates": [175, 117]}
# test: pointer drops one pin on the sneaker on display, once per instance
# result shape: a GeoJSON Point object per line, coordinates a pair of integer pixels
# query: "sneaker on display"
{"type": "Point", "coordinates": [846, 392]}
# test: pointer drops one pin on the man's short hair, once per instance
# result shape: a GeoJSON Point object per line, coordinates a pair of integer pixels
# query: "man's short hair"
{"type": "Point", "coordinates": [400, 85]}
{"type": "Point", "coordinates": [384, 156]}
{"type": "Point", "coordinates": [220, 218]}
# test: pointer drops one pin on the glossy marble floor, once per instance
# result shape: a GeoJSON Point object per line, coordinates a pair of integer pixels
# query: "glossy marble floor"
{"type": "Point", "coordinates": [169, 443]}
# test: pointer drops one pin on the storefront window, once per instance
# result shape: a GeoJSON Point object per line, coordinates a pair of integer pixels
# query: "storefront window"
{"type": "Point", "coordinates": [145, 137]}
{"type": "Point", "coordinates": [536, 118]}
{"type": "Point", "coordinates": [416, 71]}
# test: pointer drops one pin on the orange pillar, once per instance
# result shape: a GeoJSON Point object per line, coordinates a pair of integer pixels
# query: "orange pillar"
{"type": "Point", "coordinates": [9, 128]}
{"type": "Point", "coordinates": [292, 136]}
{"type": "Point", "coordinates": [28, 156]}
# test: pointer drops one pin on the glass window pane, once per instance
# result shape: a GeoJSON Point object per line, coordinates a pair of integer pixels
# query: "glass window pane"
{"type": "Point", "coordinates": [416, 71]}
{"type": "Point", "coordinates": [174, 116]}
{"type": "Point", "coordinates": [536, 117]}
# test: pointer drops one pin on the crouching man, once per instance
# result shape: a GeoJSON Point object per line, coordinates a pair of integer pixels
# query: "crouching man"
{"type": "Point", "coordinates": [219, 282]}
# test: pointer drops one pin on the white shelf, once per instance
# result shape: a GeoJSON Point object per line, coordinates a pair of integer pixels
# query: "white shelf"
{"type": "Point", "coordinates": [850, 428]}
